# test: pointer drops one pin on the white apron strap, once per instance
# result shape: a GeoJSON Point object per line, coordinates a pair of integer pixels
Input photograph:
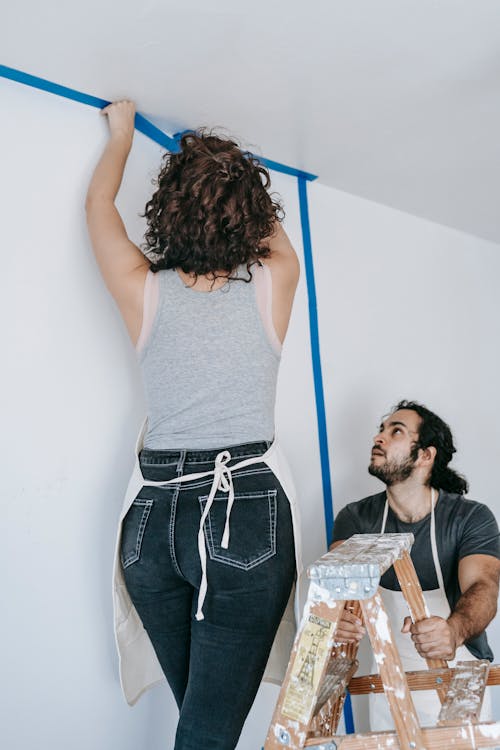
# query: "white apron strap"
{"type": "Point", "coordinates": [384, 517]}
{"type": "Point", "coordinates": [435, 556]}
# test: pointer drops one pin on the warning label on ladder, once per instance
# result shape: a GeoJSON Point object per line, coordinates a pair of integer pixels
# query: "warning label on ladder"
{"type": "Point", "coordinates": [312, 653]}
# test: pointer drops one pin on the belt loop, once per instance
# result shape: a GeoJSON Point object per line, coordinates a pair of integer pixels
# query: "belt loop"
{"type": "Point", "coordinates": [180, 462]}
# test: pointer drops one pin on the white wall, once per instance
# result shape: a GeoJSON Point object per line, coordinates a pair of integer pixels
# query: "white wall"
{"type": "Point", "coordinates": [72, 403]}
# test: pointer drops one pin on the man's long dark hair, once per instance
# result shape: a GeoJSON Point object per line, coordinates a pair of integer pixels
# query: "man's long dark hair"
{"type": "Point", "coordinates": [435, 432]}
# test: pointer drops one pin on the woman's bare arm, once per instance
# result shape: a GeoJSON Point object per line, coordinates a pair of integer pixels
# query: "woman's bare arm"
{"type": "Point", "coordinates": [122, 264]}
{"type": "Point", "coordinates": [285, 271]}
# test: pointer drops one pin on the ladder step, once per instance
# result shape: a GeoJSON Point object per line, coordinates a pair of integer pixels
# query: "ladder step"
{"type": "Point", "coordinates": [484, 734]}
{"type": "Point", "coordinates": [424, 679]}
{"type": "Point", "coordinates": [354, 568]}
{"type": "Point", "coordinates": [465, 693]}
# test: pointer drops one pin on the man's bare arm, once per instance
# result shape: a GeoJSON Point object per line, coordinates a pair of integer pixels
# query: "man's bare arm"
{"type": "Point", "coordinates": [437, 638]}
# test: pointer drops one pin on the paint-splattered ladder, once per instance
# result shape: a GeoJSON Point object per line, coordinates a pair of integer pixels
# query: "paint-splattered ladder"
{"type": "Point", "coordinates": [313, 692]}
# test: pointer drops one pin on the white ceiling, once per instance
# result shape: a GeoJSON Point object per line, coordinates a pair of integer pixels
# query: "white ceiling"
{"type": "Point", "coordinates": [397, 101]}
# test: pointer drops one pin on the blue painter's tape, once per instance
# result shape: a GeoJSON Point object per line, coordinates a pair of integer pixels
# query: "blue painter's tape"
{"type": "Point", "coordinates": [348, 715]}
{"type": "Point", "coordinates": [141, 123]}
{"type": "Point", "coordinates": [179, 135]}
{"type": "Point", "coordinates": [151, 131]}
{"type": "Point", "coordinates": [52, 88]}
{"type": "Point", "coordinates": [316, 360]}
{"type": "Point", "coordinates": [277, 167]}
{"type": "Point", "coordinates": [318, 390]}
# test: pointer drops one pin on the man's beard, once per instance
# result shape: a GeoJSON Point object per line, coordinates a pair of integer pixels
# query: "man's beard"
{"type": "Point", "coordinates": [392, 472]}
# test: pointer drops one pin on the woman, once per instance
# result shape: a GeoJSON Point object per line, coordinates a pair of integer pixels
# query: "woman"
{"type": "Point", "coordinates": [206, 550]}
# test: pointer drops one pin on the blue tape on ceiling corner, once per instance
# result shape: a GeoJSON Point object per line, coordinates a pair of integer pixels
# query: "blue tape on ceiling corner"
{"type": "Point", "coordinates": [319, 394]}
{"type": "Point", "coordinates": [53, 88]}
{"type": "Point", "coordinates": [277, 167]}
{"type": "Point", "coordinates": [143, 125]}
{"type": "Point", "coordinates": [151, 131]}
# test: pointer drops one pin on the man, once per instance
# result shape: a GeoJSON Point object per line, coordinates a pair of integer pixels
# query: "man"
{"type": "Point", "coordinates": [456, 550]}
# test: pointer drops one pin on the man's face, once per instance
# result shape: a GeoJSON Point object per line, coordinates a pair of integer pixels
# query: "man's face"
{"type": "Point", "coordinates": [394, 451]}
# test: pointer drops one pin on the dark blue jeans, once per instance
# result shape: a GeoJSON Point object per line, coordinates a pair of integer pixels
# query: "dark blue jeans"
{"type": "Point", "coordinates": [214, 666]}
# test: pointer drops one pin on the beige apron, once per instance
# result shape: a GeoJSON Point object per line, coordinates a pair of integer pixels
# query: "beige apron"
{"type": "Point", "coordinates": [426, 702]}
{"type": "Point", "coordinates": [139, 666]}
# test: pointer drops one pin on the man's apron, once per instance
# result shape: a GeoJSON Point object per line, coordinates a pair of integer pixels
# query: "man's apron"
{"type": "Point", "coordinates": [139, 666]}
{"type": "Point", "coordinates": [426, 702]}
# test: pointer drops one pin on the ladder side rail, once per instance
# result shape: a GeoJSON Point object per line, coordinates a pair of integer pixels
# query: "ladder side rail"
{"type": "Point", "coordinates": [392, 674]}
{"type": "Point", "coordinates": [412, 592]}
{"type": "Point", "coordinates": [327, 716]}
{"type": "Point", "coordinates": [306, 669]}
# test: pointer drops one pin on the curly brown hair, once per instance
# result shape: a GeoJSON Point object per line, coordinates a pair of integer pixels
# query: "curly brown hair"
{"type": "Point", "coordinates": [211, 211]}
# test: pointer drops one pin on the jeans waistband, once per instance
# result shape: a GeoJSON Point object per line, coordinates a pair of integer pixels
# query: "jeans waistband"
{"type": "Point", "coordinates": [162, 457]}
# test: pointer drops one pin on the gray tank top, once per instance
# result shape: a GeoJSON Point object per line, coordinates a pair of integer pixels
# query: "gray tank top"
{"type": "Point", "coordinates": [208, 367]}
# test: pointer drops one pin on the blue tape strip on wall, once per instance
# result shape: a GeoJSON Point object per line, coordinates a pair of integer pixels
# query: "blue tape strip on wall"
{"type": "Point", "coordinates": [143, 125]}
{"type": "Point", "coordinates": [319, 394]}
{"type": "Point", "coordinates": [316, 360]}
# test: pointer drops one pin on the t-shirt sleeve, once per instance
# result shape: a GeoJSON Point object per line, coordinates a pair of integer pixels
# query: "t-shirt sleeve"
{"type": "Point", "coordinates": [480, 535]}
{"type": "Point", "coordinates": [344, 525]}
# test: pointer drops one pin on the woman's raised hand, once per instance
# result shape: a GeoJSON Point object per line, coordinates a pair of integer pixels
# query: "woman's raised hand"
{"type": "Point", "coordinates": [120, 116]}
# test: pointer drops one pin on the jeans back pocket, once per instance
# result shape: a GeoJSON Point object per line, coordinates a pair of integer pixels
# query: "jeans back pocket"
{"type": "Point", "coordinates": [133, 528]}
{"type": "Point", "coordinates": [252, 525]}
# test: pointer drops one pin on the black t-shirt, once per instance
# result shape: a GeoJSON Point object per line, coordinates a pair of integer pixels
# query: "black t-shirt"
{"type": "Point", "coordinates": [463, 527]}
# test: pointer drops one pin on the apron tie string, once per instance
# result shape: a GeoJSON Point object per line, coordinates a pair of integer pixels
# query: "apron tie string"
{"type": "Point", "coordinates": [223, 480]}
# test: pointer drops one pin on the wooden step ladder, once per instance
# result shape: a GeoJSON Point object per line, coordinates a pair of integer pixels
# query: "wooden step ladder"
{"type": "Point", "coordinates": [319, 671]}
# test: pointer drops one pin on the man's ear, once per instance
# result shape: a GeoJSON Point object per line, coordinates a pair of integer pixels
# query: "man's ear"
{"type": "Point", "coordinates": [427, 456]}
